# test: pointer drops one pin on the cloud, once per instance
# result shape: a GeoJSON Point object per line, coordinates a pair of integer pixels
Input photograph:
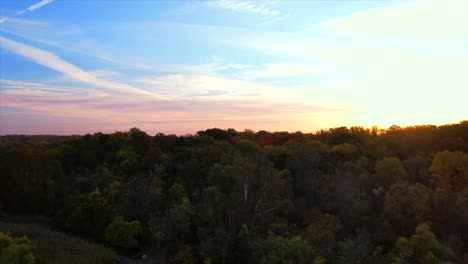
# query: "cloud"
{"type": "Point", "coordinates": [108, 74]}
{"type": "Point", "coordinates": [293, 69]}
{"type": "Point", "coordinates": [181, 109]}
{"type": "Point", "coordinates": [202, 86]}
{"type": "Point", "coordinates": [35, 6]}
{"type": "Point", "coordinates": [34, 30]}
{"type": "Point", "coordinates": [392, 71]}
{"type": "Point", "coordinates": [31, 8]}
{"type": "Point", "coordinates": [258, 7]}
{"type": "Point", "coordinates": [72, 38]}
{"type": "Point", "coordinates": [219, 87]}
{"type": "Point", "coordinates": [417, 19]}
{"type": "Point", "coordinates": [410, 69]}
{"type": "Point", "coordinates": [54, 62]}
{"type": "Point", "coordinates": [364, 68]}
{"type": "Point", "coordinates": [64, 36]}
{"type": "Point", "coordinates": [92, 111]}
{"type": "Point", "coordinates": [34, 87]}
{"type": "Point", "coordinates": [240, 66]}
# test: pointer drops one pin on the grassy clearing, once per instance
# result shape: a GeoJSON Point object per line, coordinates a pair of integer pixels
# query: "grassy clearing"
{"type": "Point", "coordinates": [58, 248]}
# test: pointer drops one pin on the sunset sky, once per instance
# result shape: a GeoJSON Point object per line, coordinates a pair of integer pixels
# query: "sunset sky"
{"type": "Point", "coordinates": [75, 67]}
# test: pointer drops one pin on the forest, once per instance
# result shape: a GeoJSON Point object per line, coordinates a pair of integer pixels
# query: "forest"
{"type": "Point", "coordinates": [340, 195]}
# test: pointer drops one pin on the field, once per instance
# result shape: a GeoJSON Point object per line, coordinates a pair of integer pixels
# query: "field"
{"type": "Point", "coordinates": [57, 248]}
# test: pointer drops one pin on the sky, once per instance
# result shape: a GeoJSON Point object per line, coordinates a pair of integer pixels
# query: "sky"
{"type": "Point", "coordinates": [77, 67]}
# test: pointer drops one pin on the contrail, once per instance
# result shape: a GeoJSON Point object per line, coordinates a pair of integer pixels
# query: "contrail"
{"type": "Point", "coordinates": [31, 8]}
{"type": "Point", "coordinates": [35, 6]}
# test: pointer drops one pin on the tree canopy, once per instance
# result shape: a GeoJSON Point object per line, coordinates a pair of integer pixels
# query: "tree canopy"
{"type": "Point", "coordinates": [341, 195]}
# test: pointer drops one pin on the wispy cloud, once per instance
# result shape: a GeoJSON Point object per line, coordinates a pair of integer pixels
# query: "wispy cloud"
{"type": "Point", "coordinates": [205, 86]}
{"type": "Point", "coordinates": [45, 87]}
{"type": "Point", "coordinates": [375, 61]}
{"type": "Point", "coordinates": [361, 65]}
{"type": "Point", "coordinates": [219, 87]}
{"type": "Point", "coordinates": [258, 7]}
{"type": "Point", "coordinates": [92, 111]}
{"type": "Point", "coordinates": [38, 31]}
{"type": "Point", "coordinates": [295, 69]}
{"type": "Point", "coordinates": [31, 8]}
{"type": "Point", "coordinates": [35, 6]}
{"type": "Point", "coordinates": [56, 63]}
{"type": "Point", "coordinates": [66, 37]}
{"type": "Point", "coordinates": [416, 19]}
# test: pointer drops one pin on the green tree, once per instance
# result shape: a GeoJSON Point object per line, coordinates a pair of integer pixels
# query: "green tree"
{"type": "Point", "coordinates": [141, 141]}
{"type": "Point", "coordinates": [304, 162]}
{"type": "Point", "coordinates": [93, 213]}
{"type": "Point", "coordinates": [157, 233]}
{"type": "Point", "coordinates": [343, 152]}
{"type": "Point", "coordinates": [129, 159]}
{"type": "Point", "coordinates": [280, 250]}
{"type": "Point", "coordinates": [180, 216]}
{"type": "Point", "coordinates": [352, 251]}
{"type": "Point", "coordinates": [123, 234]}
{"type": "Point", "coordinates": [405, 206]}
{"type": "Point", "coordinates": [319, 260]}
{"type": "Point", "coordinates": [321, 234]}
{"type": "Point", "coordinates": [183, 256]}
{"type": "Point", "coordinates": [389, 171]}
{"type": "Point", "coordinates": [156, 196]}
{"type": "Point", "coordinates": [423, 247]}
{"type": "Point", "coordinates": [177, 192]}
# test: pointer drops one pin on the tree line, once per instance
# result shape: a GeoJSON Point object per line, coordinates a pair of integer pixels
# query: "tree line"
{"type": "Point", "coordinates": [341, 195]}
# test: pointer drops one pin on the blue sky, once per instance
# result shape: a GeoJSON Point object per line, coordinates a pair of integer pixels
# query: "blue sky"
{"type": "Point", "coordinates": [73, 67]}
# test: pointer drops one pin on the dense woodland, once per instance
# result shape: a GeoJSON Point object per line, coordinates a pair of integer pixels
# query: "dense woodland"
{"type": "Point", "coordinates": [342, 195]}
